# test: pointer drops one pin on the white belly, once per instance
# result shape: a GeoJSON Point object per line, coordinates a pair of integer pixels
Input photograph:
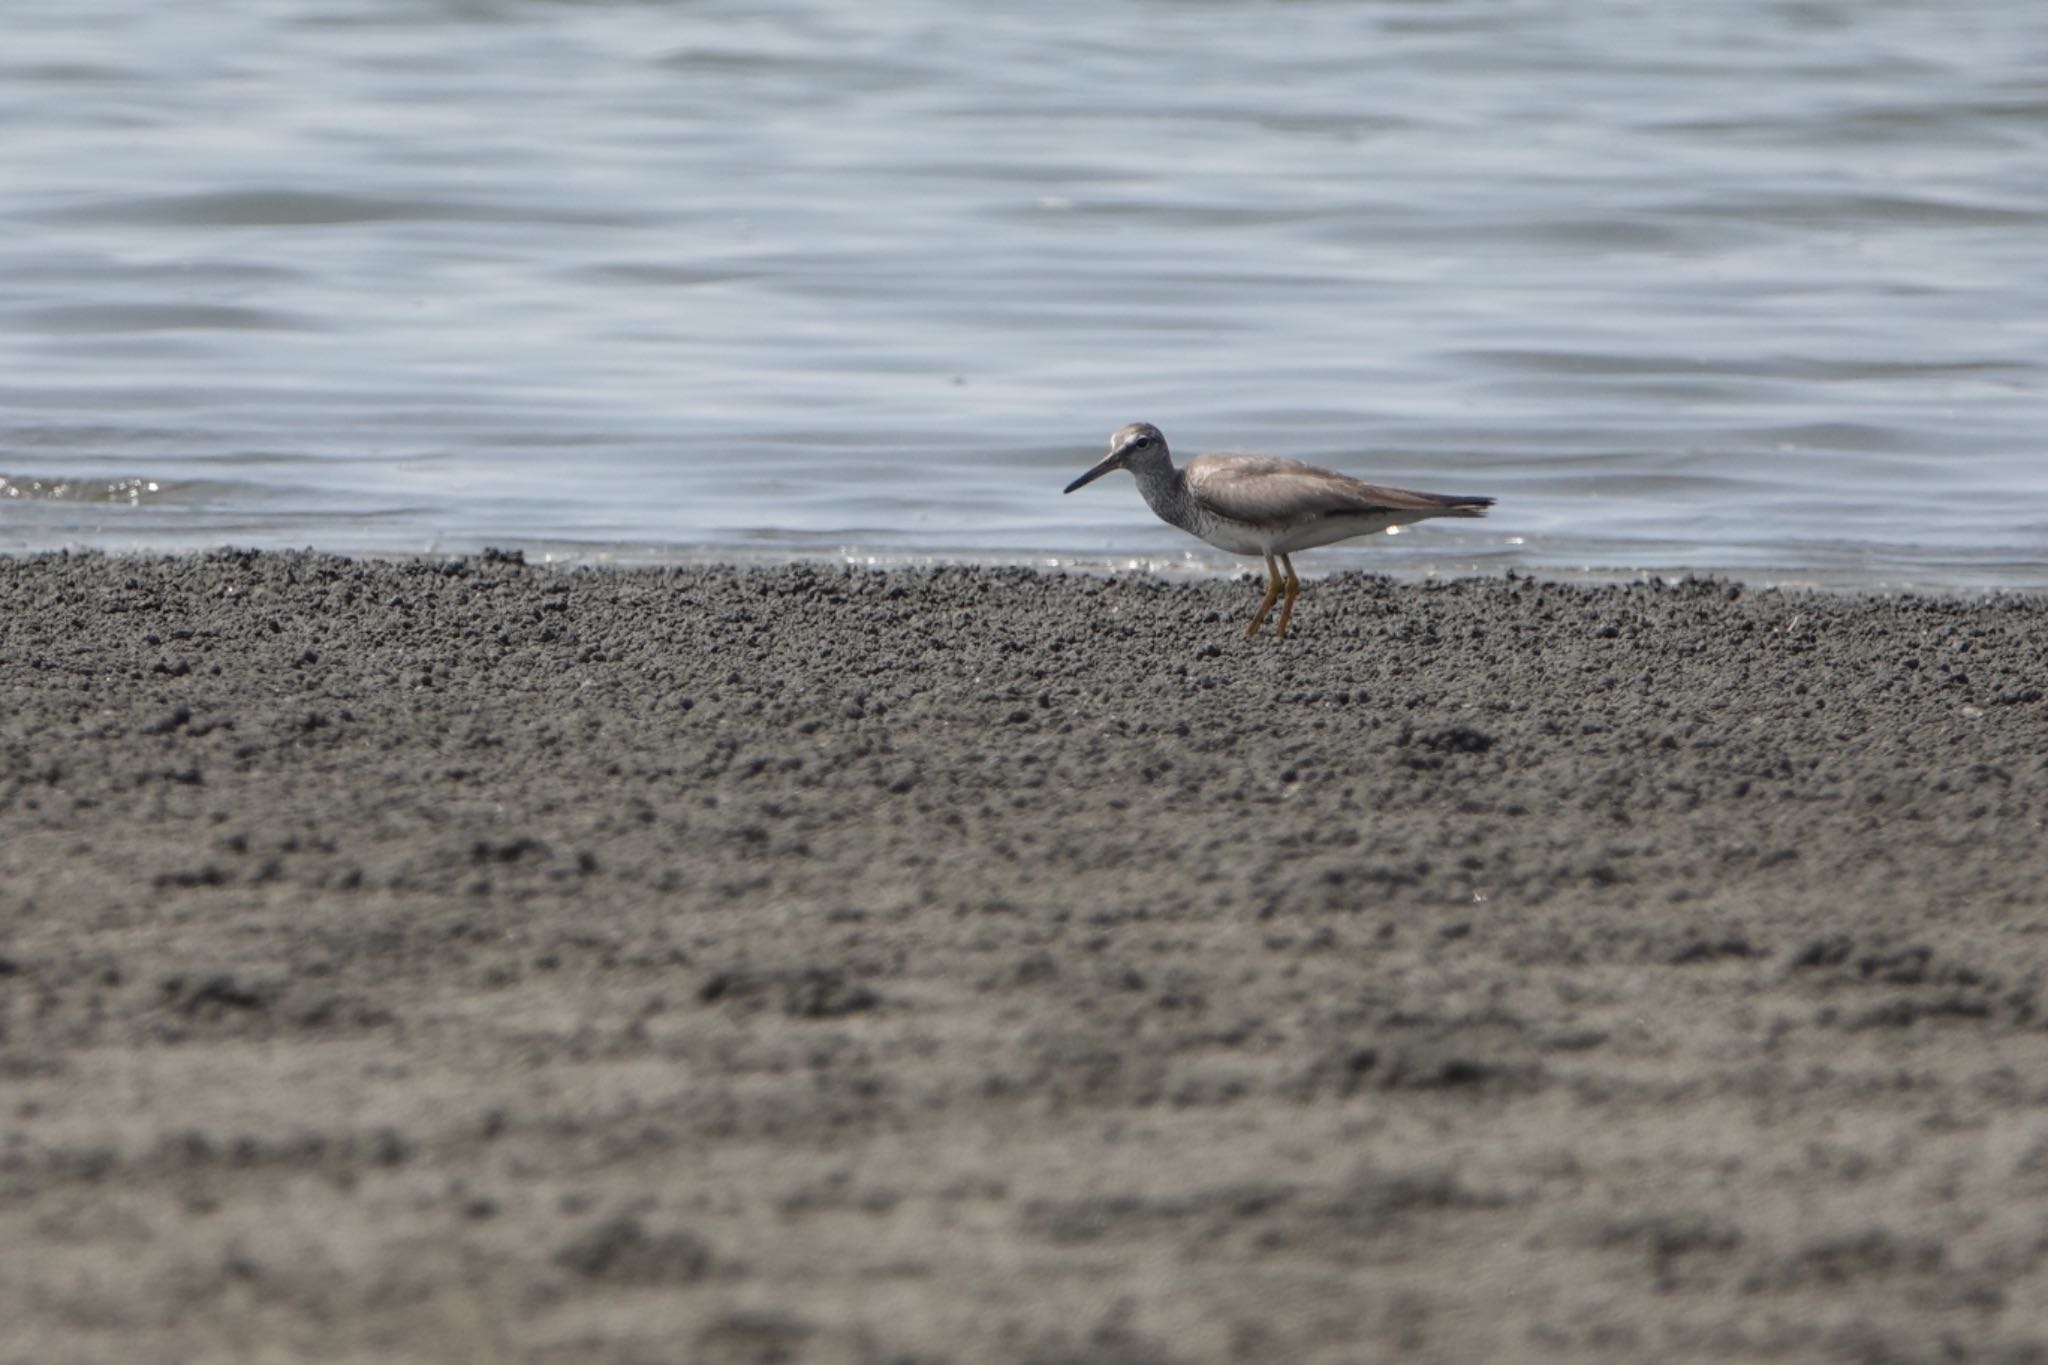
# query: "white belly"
{"type": "Point", "coordinates": [1243, 538]}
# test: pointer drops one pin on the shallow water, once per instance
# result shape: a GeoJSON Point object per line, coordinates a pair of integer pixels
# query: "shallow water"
{"type": "Point", "coordinates": [1752, 288]}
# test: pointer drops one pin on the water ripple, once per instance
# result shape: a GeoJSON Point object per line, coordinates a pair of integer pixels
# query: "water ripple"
{"type": "Point", "coordinates": [1747, 287]}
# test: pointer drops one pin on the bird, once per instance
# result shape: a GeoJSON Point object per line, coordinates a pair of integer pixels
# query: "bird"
{"type": "Point", "coordinates": [1266, 505]}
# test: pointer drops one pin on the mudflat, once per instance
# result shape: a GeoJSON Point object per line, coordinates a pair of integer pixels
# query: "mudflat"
{"type": "Point", "coordinates": [470, 961]}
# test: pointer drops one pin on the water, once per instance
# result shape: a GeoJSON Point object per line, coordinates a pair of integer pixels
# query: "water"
{"type": "Point", "coordinates": [1758, 287]}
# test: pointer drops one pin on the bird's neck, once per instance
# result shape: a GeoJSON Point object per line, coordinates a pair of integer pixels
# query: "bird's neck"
{"type": "Point", "coordinates": [1165, 490]}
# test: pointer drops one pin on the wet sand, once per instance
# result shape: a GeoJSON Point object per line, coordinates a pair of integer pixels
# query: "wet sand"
{"type": "Point", "coordinates": [472, 961]}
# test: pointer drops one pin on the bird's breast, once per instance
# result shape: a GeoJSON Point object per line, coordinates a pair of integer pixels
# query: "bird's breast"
{"type": "Point", "coordinates": [1237, 537]}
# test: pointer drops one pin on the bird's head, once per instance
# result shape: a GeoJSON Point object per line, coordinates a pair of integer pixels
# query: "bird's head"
{"type": "Point", "coordinates": [1133, 447]}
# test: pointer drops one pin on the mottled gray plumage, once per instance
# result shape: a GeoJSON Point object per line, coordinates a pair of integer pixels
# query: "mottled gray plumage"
{"type": "Point", "coordinates": [1266, 505]}
{"type": "Point", "coordinates": [1267, 490]}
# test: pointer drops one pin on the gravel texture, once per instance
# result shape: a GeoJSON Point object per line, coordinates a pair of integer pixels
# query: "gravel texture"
{"type": "Point", "coordinates": [451, 961]}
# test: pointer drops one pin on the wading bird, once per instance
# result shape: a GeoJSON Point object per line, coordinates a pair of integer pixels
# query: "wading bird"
{"type": "Point", "coordinates": [1265, 505]}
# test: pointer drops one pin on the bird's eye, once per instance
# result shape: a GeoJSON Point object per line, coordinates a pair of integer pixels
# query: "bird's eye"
{"type": "Point", "coordinates": [1138, 441]}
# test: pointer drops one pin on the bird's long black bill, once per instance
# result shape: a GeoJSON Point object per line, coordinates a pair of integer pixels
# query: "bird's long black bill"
{"type": "Point", "coordinates": [1092, 475]}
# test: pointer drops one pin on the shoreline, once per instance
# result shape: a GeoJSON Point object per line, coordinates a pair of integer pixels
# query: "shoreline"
{"type": "Point", "coordinates": [565, 557]}
{"type": "Point", "coordinates": [459, 959]}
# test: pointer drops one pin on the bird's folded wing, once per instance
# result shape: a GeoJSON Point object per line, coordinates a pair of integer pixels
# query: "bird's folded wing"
{"type": "Point", "coordinates": [1266, 489]}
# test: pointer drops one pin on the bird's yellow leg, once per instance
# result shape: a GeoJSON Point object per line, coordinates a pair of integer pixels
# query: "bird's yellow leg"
{"type": "Point", "coordinates": [1272, 595]}
{"type": "Point", "coordinates": [1287, 607]}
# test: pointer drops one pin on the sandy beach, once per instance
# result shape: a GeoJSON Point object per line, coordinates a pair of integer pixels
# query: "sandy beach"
{"type": "Point", "coordinates": [475, 961]}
